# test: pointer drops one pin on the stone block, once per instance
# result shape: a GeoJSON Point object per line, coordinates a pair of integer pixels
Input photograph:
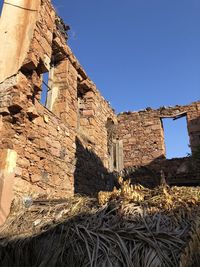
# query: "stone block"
{"type": "Point", "coordinates": [32, 113]}
{"type": "Point", "coordinates": [88, 113]}
{"type": "Point", "coordinates": [55, 152]}
{"type": "Point", "coordinates": [35, 178]}
{"type": "Point", "coordinates": [8, 159]}
{"type": "Point", "coordinates": [44, 65]}
{"type": "Point", "coordinates": [30, 62]}
{"type": "Point", "coordinates": [23, 162]}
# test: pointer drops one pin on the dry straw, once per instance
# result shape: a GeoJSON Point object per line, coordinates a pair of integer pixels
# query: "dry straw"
{"type": "Point", "coordinates": [133, 226]}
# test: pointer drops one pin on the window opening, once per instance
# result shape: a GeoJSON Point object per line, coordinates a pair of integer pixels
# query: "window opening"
{"type": "Point", "coordinates": [176, 137]}
{"type": "Point", "coordinates": [81, 101]}
{"type": "Point", "coordinates": [85, 102]}
{"type": "Point", "coordinates": [47, 84]}
{"type": "Point", "coordinates": [81, 105]}
{"type": "Point", "coordinates": [45, 88]}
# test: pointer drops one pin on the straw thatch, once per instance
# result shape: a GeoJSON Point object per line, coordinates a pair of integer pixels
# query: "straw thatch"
{"type": "Point", "coordinates": [133, 226]}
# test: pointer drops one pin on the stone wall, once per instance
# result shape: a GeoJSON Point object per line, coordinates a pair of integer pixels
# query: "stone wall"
{"type": "Point", "coordinates": [143, 135]}
{"type": "Point", "coordinates": [44, 142]}
{"type": "Point", "coordinates": [75, 142]}
{"type": "Point", "coordinates": [144, 146]}
{"type": "Point", "coordinates": [45, 146]}
{"type": "Point", "coordinates": [61, 148]}
{"type": "Point", "coordinates": [177, 171]}
{"type": "Point", "coordinates": [92, 140]}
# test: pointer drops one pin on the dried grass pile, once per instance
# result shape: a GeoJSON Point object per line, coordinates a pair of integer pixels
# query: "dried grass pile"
{"type": "Point", "coordinates": [132, 226]}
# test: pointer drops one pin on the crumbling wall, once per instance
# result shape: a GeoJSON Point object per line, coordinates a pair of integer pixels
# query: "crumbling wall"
{"type": "Point", "coordinates": [178, 171]}
{"type": "Point", "coordinates": [62, 95]}
{"type": "Point", "coordinates": [45, 146]}
{"type": "Point", "coordinates": [74, 142]}
{"type": "Point", "coordinates": [143, 135]}
{"type": "Point", "coordinates": [93, 171]}
{"type": "Point", "coordinates": [56, 149]}
{"type": "Point", "coordinates": [93, 114]}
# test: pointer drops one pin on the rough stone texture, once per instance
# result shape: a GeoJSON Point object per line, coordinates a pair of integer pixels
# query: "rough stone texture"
{"type": "Point", "coordinates": [53, 144]}
{"type": "Point", "coordinates": [76, 142]}
{"type": "Point", "coordinates": [143, 135]}
{"type": "Point", "coordinates": [45, 163]}
{"type": "Point", "coordinates": [64, 81]}
{"type": "Point", "coordinates": [143, 141]}
{"type": "Point", "coordinates": [177, 171]}
{"type": "Point", "coordinates": [92, 140]}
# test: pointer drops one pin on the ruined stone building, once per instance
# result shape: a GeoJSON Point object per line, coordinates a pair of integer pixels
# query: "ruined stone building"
{"type": "Point", "coordinates": [74, 142]}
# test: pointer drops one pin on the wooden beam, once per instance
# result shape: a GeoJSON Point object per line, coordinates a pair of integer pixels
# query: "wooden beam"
{"type": "Point", "coordinates": [176, 117]}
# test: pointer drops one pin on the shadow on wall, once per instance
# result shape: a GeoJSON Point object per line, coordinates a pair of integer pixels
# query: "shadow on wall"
{"type": "Point", "coordinates": [90, 175]}
{"type": "Point", "coordinates": [177, 171]}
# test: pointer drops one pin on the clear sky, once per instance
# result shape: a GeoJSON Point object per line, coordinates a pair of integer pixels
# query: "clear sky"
{"type": "Point", "coordinates": [140, 53]}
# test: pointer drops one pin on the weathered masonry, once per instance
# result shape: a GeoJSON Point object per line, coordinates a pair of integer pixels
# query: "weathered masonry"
{"type": "Point", "coordinates": [143, 134]}
{"type": "Point", "coordinates": [144, 145]}
{"type": "Point", "coordinates": [74, 142]}
{"type": "Point", "coordinates": [59, 149]}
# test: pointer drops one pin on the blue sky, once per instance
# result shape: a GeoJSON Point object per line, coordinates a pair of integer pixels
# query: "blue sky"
{"type": "Point", "coordinates": [140, 53]}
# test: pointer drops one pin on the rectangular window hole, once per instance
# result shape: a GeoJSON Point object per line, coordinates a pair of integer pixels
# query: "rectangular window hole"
{"type": "Point", "coordinates": [176, 137]}
{"type": "Point", "coordinates": [45, 88]}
